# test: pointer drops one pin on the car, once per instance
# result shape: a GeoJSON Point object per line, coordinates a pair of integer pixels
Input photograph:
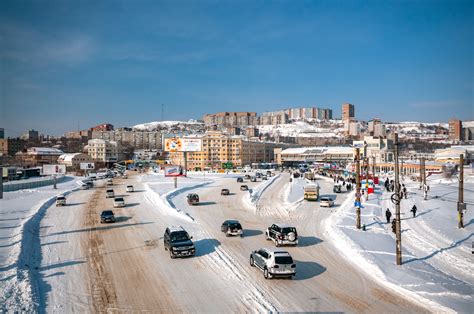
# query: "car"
{"type": "Point", "coordinates": [107, 216]}
{"type": "Point", "coordinates": [282, 234]}
{"type": "Point", "coordinates": [240, 179]}
{"type": "Point", "coordinates": [326, 202]}
{"type": "Point", "coordinates": [193, 199]}
{"type": "Point", "coordinates": [84, 186]}
{"type": "Point", "coordinates": [337, 188]}
{"type": "Point", "coordinates": [130, 188]}
{"type": "Point", "coordinates": [110, 182]}
{"type": "Point", "coordinates": [124, 176]}
{"type": "Point", "coordinates": [253, 179]}
{"type": "Point", "coordinates": [264, 178]}
{"type": "Point", "coordinates": [178, 242]}
{"type": "Point", "coordinates": [269, 173]}
{"type": "Point", "coordinates": [89, 183]}
{"type": "Point", "coordinates": [119, 202]}
{"type": "Point", "coordinates": [225, 192]}
{"type": "Point", "coordinates": [273, 263]}
{"type": "Point", "coordinates": [232, 227]}
{"type": "Point", "coordinates": [247, 177]}
{"type": "Point", "coordinates": [296, 175]}
{"type": "Point", "coordinates": [109, 193]}
{"type": "Point", "coordinates": [258, 174]}
{"type": "Point", "coordinates": [244, 187]}
{"type": "Point", "coordinates": [60, 200]}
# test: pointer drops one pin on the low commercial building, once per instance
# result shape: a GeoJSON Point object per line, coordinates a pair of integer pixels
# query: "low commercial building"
{"type": "Point", "coordinates": [73, 161]}
{"type": "Point", "coordinates": [38, 156]}
{"type": "Point", "coordinates": [294, 156]}
{"type": "Point", "coordinates": [452, 154]}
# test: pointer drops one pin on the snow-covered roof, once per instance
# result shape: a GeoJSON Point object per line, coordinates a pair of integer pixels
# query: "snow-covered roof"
{"type": "Point", "coordinates": [44, 151]}
{"type": "Point", "coordinates": [68, 157]}
{"type": "Point", "coordinates": [319, 150]}
{"type": "Point", "coordinates": [468, 124]}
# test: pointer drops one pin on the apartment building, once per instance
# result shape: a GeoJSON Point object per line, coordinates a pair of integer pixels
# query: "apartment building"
{"type": "Point", "coordinates": [151, 140]}
{"type": "Point", "coordinates": [231, 119]}
{"type": "Point", "coordinates": [300, 113]}
{"type": "Point", "coordinates": [380, 148]}
{"type": "Point", "coordinates": [218, 148]}
{"type": "Point", "coordinates": [103, 150]}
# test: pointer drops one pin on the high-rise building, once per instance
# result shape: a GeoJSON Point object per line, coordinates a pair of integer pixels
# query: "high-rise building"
{"type": "Point", "coordinates": [455, 130]}
{"type": "Point", "coordinates": [30, 135]}
{"type": "Point", "coordinates": [103, 127]}
{"type": "Point", "coordinates": [348, 111]}
{"type": "Point", "coordinates": [103, 151]}
{"type": "Point", "coordinates": [2, 133]}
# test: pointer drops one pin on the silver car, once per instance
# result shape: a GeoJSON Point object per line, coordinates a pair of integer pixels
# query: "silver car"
{"type": "Point", "coordinates": [326, 202]}
{"type": "Point", "coordinates": [273, 263]}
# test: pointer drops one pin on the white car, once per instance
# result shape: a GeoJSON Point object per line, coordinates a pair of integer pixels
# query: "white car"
{"type": "Point", "coordinates": [60, 200]}
{"type": "Point", "coordinates": [326, 202]}
{"type": "Point", "coordinates": [109, 193]}
{"type": "Point", "coordinates": [273, 263]}
{"type": "Point", "coordinates": [130, 188]}
{"type": "Point", "coordinates": [110, 182]}
{"type": "Point", "coordinates": [119, 202]}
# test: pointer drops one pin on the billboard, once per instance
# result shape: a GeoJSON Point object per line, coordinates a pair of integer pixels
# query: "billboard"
{"type": "Point", "coordinates": [183, 144]}
{"type": "Point", "coordinates": [174, 171]}
{"type": "Point", "coordinates": [87, 166]}
{"type": "Point", "coordinates": [54, 169]}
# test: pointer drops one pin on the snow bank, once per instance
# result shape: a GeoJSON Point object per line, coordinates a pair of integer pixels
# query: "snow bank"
{"type": "Point", "coordinates": [251, 199]}
{"type": "Point", "coordinates": [429, 274]}
{"type": "Point", "coordinates": [22, 289]}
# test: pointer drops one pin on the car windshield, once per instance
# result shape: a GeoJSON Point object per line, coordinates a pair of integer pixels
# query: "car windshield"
{"type": "Point", "coordinates": [288, 230]}
{"type": "Point", "coordinates": [60, 198]}
{"type": "Point", "coordinates": [283, 260]}
{"type": "Point", "coordinates": [107, 213]}
{"type": "Point", "coordinates": [193, 196]}
{"type": "Point", "coordinates": [324, 199]}
{"type": "Point", "coordinates": [129, 186]}
{"type": "Point", "coordinates": [119, 199]}
{"type": "Point", "coordinates": [110, 191]}
{"type": "Point", "coordinates": [179, 236]}
{"type": "Point", "coordinates": [235, 226]}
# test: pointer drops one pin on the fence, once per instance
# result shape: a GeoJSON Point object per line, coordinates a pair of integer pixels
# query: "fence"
{"type": "Point", "coordinates": [31, 183]}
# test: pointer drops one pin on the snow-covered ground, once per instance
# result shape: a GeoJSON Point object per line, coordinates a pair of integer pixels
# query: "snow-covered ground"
{"type": "Point", "coordinates": [437, 256]}
{"type": "Point", "coordinates": [20, 216]}
{"type": "Point", "coordinates": [68, 262]}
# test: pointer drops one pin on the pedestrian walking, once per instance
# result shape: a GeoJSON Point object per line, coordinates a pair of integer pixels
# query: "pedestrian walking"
{"type": "Point", "coordinates": [404, 191]}
{"type": "Point", "coordinates": [413, 210]}
{"type": "Point", "coordinates": [388, 215]}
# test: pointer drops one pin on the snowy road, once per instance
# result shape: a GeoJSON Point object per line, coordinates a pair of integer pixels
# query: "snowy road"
{"type": "Point", "coordinates": [88, 266]}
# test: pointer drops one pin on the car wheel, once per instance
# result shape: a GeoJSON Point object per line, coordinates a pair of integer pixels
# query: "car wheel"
{"type": "Point", "coordinates": [171, 254]}
{"type": "Point", "coordinates": [227, 234]}
{"type": "Point", "coordinates": [252, 263]}
{"type": "Point", "coordinates": [266, 236]}
{"type": "Point", "coordinates": [266, 274]}
{"type": "Point", "coordinates": [277, 244]}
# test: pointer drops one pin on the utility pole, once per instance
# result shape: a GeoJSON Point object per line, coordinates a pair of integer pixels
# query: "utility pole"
{"type": "Point", "coordinates": [1, 183]}
{"type": "Point", "coordinates": [461, 205]}
{"type": "Point", "coordinates": [366, 159]}
{"type": "Point", "coordinates": [397, 206]}
{"type": "Point", "coordinates": [358, 188]}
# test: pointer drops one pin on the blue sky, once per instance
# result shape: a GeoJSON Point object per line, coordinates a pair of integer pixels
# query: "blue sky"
{"type": "Point", "coordinates": [69, 64]}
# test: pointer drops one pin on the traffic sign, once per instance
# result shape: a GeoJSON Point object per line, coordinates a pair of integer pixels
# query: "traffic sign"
{"type": "Point", "coordinates": [395, 198]}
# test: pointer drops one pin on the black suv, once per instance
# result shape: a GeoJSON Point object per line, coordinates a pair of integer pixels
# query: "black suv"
{"type": "Point", "coordinates": [232, 227]}
{"type": "Point", "coordinates": [178, 242]}
{"type": "Point", "coordinates": [107, 216]}
{"type": "Point", "coordinates": [282, 234]}
{"type": "Point", "coordinates": [240, 179]}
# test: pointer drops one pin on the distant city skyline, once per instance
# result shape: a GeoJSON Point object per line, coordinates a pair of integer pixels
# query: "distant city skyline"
{"type": "Point", "coordinates": [69, 65]}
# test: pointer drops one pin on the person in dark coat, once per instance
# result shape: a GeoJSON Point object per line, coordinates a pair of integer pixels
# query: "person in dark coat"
{"type": "Point", "coordinates": [404, 190]}
{"type": "Point", "coordinates": [413, 210]}
{"type": "Point", "coordinates": [388, 215]}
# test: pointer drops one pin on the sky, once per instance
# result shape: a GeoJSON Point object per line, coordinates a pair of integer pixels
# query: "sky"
{"type": "Point", "coordinates": [69, 65]}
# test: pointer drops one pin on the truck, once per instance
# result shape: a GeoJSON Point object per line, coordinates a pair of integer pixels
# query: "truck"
{"type": "Point", "coordinates": [311, 192]}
